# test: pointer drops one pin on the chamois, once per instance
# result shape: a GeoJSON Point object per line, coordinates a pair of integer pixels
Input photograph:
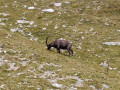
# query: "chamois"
{"type": "Point", "coordinates": [60, 44]}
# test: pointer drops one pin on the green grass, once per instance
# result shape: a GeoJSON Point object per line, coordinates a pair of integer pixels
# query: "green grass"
{"type": "Point", "coordinates": [78, 17]}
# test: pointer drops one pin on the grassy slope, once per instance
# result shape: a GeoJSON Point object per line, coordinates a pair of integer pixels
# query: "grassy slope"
{"type": "Point", "coordinates": [85, 62]}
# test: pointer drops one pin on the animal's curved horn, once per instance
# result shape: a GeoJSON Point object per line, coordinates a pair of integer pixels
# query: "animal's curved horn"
{"type": "Point", "coordinates": [47, 40]}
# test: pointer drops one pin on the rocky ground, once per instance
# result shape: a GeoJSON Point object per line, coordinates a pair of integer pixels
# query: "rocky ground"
{"type": "Point", "coordinates": [93, 28]}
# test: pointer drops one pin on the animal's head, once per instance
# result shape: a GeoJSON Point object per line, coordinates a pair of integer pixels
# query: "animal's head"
{"type": "Point", "coordinates": [49, 46]}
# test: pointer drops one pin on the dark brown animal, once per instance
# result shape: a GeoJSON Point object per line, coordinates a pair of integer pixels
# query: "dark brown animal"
{"type": "Point", "coordinates": [60, 44]}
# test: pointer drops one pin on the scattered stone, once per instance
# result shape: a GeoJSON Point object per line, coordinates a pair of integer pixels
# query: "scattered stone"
{"type": "Point", "coordinates": [88, 80]}
{"type": "Point", "coordinates": [12, 67]}
{"type": "Point", "coordinates": [4, 51]}
{"type": "Point", "coordinates": [31, 8]}
{"type": "Point", "coordinates": [111, 43]}
{"type": "Point", "coordinates": [118, 30]}
{"type": "Point", "coordinates": [87, 6]}
{"type": "Point", "coordinates": [48, 10]}
{"type": "Point", "coordinates": [2, 86]}
{"type": "Point", "coordinates": [93, 87]}
{"type": "Point", "coordinates": [83, 37]}
{"type": "Point", "coordinates": [57, 85]}
{"type": "Point", "coordinates": [99, 7]}
{"type": "Point", "coordinates": [79, 82]}
{"type": "Point", "coordinates": [23, 21]}
{"type": "Point", "coordinates": [74, 30]}
{"type": "Point", "coordinates": [106, 24]}
{"type": "Point", "coordinates": [14, 29]}
{"type": "Point", "coordinates": [29, 34]}
{"type": "Point", "coordinates": [43, 28]}
{"type": "Point", "coordinates": [91, 29]}
{"type": "Point", "coordinates": [1, 62]}
{"type": "Point", "coordinates": [48, 64]}
{"type": "Point", "coordinates": [67, 2]}
{"type": "Point", "coordinates": [79, 47]}
{"type": "Point", "coordinates": [55, 27]}
{"type": "Point", "coordinates": [24, 63]}
{"type": "Point", "coordinates": [25, 6]}
{"type": "Point", "coordinates": [19, 74]}
{"type": "Point", "coordinates": [22, 59]}
{"type": "Point", "coordinates": [38, 88]}
{"type": "Point", "coordinates": [25, 82]}
{"type": "Point", "coordinates": [33, 39]}
{"type": "Point", "coordinates": [119, 72]}
{"type": "Point", "coordinates": [105, 86]}
{"type": "Point", "coordinates": [112, 68]}
{"type": "Point", "coordinates": [104, 64]}
{"type": "Point", "coordinates": [73, 88]}
{"type": "Point", "coordinates": [63, 26]}
{"type": "Point", "coordinates": [3, 19]}
{"type": "Point", "coordinates": [57, 4]}
{"type": "Point", "coordinates": [4, 14]}
{"type": "Point", "coordinates": [2, 24]}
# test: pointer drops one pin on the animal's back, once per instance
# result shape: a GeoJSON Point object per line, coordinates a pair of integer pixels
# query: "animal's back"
{"type": "Point", "coordinates": [62, 43]}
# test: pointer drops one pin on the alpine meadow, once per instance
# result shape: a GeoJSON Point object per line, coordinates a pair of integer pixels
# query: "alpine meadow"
{"type": "Point", "coordinates": [93, 27]}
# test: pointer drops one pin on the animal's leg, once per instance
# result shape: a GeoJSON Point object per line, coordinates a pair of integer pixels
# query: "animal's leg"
{"type": "Point", "coordinates": [58, 50]}
{"type": "Point", "coordinates": [68, 51]}
{"type": "Point", "coordinates": [71, 51]}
